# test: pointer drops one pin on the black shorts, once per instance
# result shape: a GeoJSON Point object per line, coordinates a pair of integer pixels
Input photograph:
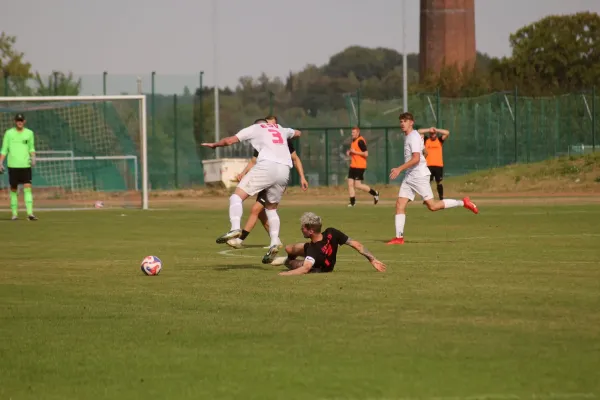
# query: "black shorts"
{"type": "Point", "coordinates": [261, 197]}
{"type": "Point", "coordinates": [19, 176]}
{"type": "Point", "coordinates": [437, 173]}
{"type": "Point", "coordinates": [357, 174]}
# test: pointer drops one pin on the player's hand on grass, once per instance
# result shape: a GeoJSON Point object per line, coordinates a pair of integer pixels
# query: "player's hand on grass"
{"type": "Point", "coordinates": [378, 265]}
{"type": "Point", "coordinates": [304, 184]}
{"type": "Point", "coordinates": [209, 145]}
{"type": "Point", "coordinates": [395, 172]}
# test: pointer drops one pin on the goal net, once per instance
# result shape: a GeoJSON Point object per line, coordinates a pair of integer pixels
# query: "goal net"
{"type": "Point", "coordinates": [90, 150]}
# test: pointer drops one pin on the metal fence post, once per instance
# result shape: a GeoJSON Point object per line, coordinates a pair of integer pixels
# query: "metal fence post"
{"type": "Point", "coordinates": [326, 157]}
{"type": "Point", "coordinates": [6, 84]}
{"type": "Point", "coordinates": [153, 105]}
{"type": "Point", "coordinates": [437, 108]}
{"type": "Point", "coordinates": [556, 125]}
{"type": "Point", "coordinates": [387, 156]}
{"type": "Point", "coordinates": [593, 118]}
{"type": "Point", "coordinates": [175, 146]}
{"type": "Point", "coordinates": [528, 131]}
{"type": "Point", "coordinates": [516, 126]}
{"type": "Point", "coordinates": [55, 73]}
{"type": "Point", "coordinates": [358, 106]}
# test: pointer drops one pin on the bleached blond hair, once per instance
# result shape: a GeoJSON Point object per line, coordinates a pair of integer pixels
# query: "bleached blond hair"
{"type": "Point", "coordinates": [311, 221]}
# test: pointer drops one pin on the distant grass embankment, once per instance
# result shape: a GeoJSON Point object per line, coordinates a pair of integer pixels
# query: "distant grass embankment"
{"type": "Point", "coordinates": [569, 174]}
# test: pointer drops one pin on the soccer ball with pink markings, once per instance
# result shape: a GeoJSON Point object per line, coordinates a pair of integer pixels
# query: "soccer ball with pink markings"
{"type": "Point", "coordinates": [151, 265]}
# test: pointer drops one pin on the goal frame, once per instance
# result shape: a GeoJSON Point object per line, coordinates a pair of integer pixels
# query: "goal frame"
{"type": "Point", "coordinates": [143, 124]}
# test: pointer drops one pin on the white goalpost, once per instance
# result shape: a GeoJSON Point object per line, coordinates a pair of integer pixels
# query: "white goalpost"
{"type": "Point", "coordinates": [88, 148]}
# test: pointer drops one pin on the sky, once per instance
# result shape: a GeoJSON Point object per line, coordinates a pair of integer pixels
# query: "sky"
{"type": "Point", "coordinates": [176, 38]}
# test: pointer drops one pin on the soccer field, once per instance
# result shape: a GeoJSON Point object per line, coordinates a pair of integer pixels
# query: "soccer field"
{"type": "Point", "coordinates": [501, 305]}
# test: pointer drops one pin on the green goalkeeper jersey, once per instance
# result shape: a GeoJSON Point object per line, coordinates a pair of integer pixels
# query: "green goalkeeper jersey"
{"type": "Point", "coordinates": [18, 146]}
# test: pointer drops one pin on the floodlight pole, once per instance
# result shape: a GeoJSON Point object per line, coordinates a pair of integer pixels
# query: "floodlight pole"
{"type": "Point", "coordinates": [215, 73]}
{"type": "Point", "coordinates": [404, 60]}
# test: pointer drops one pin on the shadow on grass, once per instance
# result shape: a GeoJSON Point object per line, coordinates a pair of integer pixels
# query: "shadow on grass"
{"type": "Point", "coordinates": [421, 241]}
{"type": "Point", "coordinates": [241, 267]}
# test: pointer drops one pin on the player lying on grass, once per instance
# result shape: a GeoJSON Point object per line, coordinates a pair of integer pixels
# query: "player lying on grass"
{"type": "Point", "coordinates": [271, 173]}
{"type": "Point", "coordinates": [416, 179]}
{"type": "Point", "coordinates": [258, 209]}
{"type": "Point", "coordinates": [319, 255]}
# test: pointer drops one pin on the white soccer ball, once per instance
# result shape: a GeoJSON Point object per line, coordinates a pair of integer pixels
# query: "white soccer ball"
{"type": "Point", "coordinates": [151, 265]}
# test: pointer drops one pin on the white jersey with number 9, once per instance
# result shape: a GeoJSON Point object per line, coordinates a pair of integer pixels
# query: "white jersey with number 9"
{"type": "Point", "coordinates": [270, 141]}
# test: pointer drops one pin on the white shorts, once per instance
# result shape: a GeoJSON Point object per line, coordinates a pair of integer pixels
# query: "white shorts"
{"type": "Point", "coordinates": [269, 176]}
{"type": "Point", "coordinates": [416, 185]}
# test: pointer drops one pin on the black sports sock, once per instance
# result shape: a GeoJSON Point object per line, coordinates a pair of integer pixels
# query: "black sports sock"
{"type": "Point", "coordinates": [440, 189]}
{"type": "Point", "coordinates": [372, 192]}
{"type": "Point", "coordinates": [244, 235]}
{"type": "Point", "coordinates": [352, 200]}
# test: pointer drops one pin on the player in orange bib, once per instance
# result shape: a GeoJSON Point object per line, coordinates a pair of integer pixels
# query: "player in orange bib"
{"type": "Point", "coordinates": [358, 154]}
{"type": "Point", "coordinates": [434, 145]}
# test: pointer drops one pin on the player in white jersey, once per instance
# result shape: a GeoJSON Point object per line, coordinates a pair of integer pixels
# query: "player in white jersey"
{"type": "Point", "coordinates": [416, 179]}
{"type": "Point", "coordinates": [271, 173]}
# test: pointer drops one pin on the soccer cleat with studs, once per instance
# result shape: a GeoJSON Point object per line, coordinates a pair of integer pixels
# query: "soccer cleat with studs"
{"type": "Point", "coordinates": [14, 218]}
{"type": "Point", "coordinates": [32, 217]}
{"type": "Point", "coordinates": [396, 241]}
{"type": "Point", "coordinates": [270, 256]}
{"type": "Point", "coordinates": [236, 243]}
{"type": "Point", "coordinates": [469, 205]}
{"type": "Point", "coordinates": [232, 234]}
{"type": "Point", "coordinates": [376, 198]}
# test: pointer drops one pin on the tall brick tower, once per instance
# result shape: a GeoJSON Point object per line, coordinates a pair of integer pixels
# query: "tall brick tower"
{"type": "Point", "coordinates": [447, 34]}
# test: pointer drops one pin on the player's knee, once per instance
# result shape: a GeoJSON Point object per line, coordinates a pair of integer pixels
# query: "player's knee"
{"type": "Point", "coordinates": [235, 199]}
{"type": "Point", "coordinates": [433, 205]}
{"type": "Point", "coordinates": [400, 206]}
{"type": "Point", "coordinates": [289, 249]}
{"type": "Point", "coordinates": [257, 209]}
{"type": "Point", "coordinates": [14, 188]}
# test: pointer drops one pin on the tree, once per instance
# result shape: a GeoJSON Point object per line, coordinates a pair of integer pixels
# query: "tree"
{"type": "Point", "coordinates": [57, 84]}
{"type": "Point", "coordinates": [14, 69]}
{"type": "Point", "coordinates": [558, 53]}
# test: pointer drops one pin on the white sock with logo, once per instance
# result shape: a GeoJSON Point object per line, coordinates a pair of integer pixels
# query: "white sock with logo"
{"type": "Point", "coordinates": [400, 220]}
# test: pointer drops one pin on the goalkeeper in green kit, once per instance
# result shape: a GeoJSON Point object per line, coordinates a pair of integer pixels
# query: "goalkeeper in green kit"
{"type": "Point", "coordinates": [18, 145]}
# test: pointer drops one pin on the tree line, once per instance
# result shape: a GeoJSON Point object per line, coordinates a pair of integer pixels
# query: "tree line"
{"type": "Point", "coordinates": [552, 56]}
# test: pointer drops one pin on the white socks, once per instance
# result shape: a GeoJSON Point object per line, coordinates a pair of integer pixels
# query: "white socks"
{"type": "Point", "coordinates": [235, 211]}
{"type": "Point", "coordinates": [400, 220]}
{"type": "Point", "coordinates": [450, 203]}
{"type": "Point", "coordinates": [274, 224]}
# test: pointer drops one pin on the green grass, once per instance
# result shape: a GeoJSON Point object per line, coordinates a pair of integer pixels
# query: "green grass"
{"type": "Point", "coordinates": [504, 304]}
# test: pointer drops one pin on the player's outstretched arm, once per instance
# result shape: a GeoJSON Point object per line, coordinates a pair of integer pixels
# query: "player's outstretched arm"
{"type": "Point", "coordinates": [356, 245]}
{"type": "Point", "coordinates": [297, 133]}
{"type": "Point", "coordinates": [304, 269]}
{"type": "Point", "coordinates": [300, 168]}
{"type": "Point", "coordinates": [228, 141]}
